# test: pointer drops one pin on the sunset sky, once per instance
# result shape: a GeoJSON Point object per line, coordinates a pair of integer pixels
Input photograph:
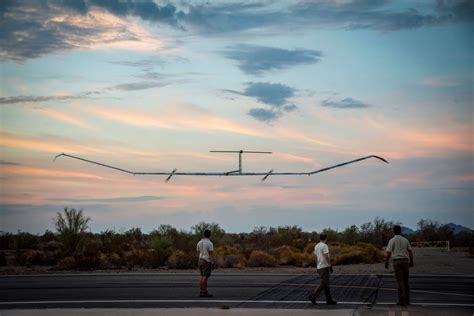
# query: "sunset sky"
{"type": "Point", "coordinates": [153, 86]}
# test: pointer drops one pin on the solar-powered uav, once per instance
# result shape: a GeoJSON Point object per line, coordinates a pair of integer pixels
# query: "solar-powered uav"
{"type": "Point", "coordinates": [237, 172]}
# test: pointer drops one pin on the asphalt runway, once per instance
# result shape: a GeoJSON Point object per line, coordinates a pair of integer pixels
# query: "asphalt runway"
{"type": "Point", "coordinates": [235, 290]}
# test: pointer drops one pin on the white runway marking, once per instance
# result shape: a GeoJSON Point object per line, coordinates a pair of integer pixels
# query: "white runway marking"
{"type": "Point", "coordinates": [221, 301]}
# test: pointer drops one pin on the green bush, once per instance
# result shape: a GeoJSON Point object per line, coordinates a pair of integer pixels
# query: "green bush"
{"type": "Point", "coordinates": [162, 250]}
{"type": "Point", "coordinates": [71, 226]}
{"type": "Point", "coordinates": [261, 259]}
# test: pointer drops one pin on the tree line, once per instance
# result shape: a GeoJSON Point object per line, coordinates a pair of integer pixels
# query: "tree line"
{"type": "Point", "coordinates": [72, 246]}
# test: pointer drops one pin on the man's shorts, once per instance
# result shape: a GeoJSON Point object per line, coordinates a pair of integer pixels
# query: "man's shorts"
{"type": "Point", "coordinates": [205, 267]}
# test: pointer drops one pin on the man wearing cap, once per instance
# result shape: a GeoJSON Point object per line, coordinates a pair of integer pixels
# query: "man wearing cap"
{"type": "Point", "coordinates": [399, 249]}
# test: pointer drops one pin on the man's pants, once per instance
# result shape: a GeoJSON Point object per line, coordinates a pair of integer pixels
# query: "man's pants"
{"type": "Point", "coordinates": [323, 285]}
{"type": "Point", "coordinates": [400, 266]}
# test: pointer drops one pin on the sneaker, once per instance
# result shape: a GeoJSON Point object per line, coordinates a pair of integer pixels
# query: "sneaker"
{"type": "Point", "coordinates": [312, 299]}
{"type": "Point", "coordinates": [205, 294]}
{"type": "Point", "coordinates": [331, 302]}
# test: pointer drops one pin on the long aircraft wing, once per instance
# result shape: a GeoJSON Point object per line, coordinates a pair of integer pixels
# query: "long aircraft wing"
{"type": "Point", "coordinates": [230, 173]}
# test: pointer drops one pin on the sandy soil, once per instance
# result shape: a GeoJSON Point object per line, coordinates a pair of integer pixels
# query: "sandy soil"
{"type": "Point", "coordinates": [427, 261]}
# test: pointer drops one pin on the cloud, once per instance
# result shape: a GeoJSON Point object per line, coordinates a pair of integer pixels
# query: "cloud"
{"type": "Point", "coordinates": [255, 60]}
{"type": "Point", "coordinates": [347, 103]}
{"type": "Point", "coordinates": [139, 85]}
{"type": "Point", "coordinates": [30, 98]}
{"type": "Point", "coordinates": [264, 115]}
{"type": "Point", "coordinates": [373, 15]}
{"type": "Point", "coordinates": [31, 172]}
{"type": "Point", "coordinates": [31, 29]}
{"type": "Point", "coordinates": [176, 117]}
{"type": "Point", "coordinates": [53, 144]}
{"type": "Point", "coordinates": [3, 162]}
{"type": "Point", "coordinates": [125, 199]}
{"type": "Point", "coordinates": [274, 94]}
{"type": "Point", "coordinates": [290, 108]}
{"type": "Point", "coordinates": [130, 86]}
{"type": "Point", "coordinates": [378, 15]}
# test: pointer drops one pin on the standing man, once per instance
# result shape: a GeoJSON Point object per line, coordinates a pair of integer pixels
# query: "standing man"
{"type": "Point", "coordinates": [399, 249]}
{"type": "Point", "coordinates": [324, 268]}
{"type": "Point", "coordinates": [205, 250]}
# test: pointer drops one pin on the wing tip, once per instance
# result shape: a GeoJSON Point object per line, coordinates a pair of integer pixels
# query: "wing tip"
{"type": "Point", "coordinates": [378, 157]}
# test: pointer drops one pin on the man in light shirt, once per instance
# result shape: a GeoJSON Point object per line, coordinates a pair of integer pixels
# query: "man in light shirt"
{"type": "Point", "coordinates": [205, 250]}
{"type": "Point", "coordinates": [399, 249]}
{"type": "Point", "coordinates": [324, 268]}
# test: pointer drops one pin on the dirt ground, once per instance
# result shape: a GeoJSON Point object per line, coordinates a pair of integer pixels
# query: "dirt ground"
{"type": "Point", "coordinates": [427, 261]}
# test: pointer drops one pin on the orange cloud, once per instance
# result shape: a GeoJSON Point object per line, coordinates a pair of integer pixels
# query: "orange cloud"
{"type": "Point", "coordinates": [111, 34]}
{"type": "Point", "coordinates": [63, 117]}
{"type": "Point", "coordinates": [180, 117]}
{"type": "Point", "coordinates": [465, 178]}
{"type": "Point", "coordinates": [42, 172]}
{"type": "Point", "coordinates": [54, 145]}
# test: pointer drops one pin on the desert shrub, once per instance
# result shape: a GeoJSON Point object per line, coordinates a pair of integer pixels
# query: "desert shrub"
{"type": "Point", "coordinates": [51, 245]}
{"type": "Point", "coordinates": [229, 257]}
{"type": "Point", "coordinates": [20, 257]}
{"type": "Point", "coordinates": [336, 248]}
{"type": "Point", "coordinates": [309, 248]}
{"type": "Point", "coordinates": [87, 262]}
{"type": "Point", "coordinates": [303, 259]}
{"type": "Point", "coordinates": [137, 257]}
{"type": "Point", "coordinates": [3, 259]}
{"type": "Point", "coordinates": [34, 258]}
{"type": "Point", "coordinates": [6, 241]}
{"type": "Point", "coordinates": [71, 226]}
{"type": "Point", "coordinates": [226, 250]}
{"type": "Point", "coordinates": [134, 236]}
{"type": "Point", "coordinates": [359, 253]}
{"type": "Point", "coordinates": [181, 260]}
{"type": "Point", "coordinates": [115, 260]}
{"type": "Point", "coordinates": [47, 237]}
{"type": "Point", "coordinates": [261, 259]}
{"type": "Point", "coordinates": [67, 263]}
{"type": "Point", "coordinates": [162, 247]}
{"type": "Point", "coordinates": [88, 246]}
{"type": "Point", "coordinates": [26, 241]}
{"type": "Point", "coordinates": [349, 256]}
{"type": "Point", "coordinates": [285, 255]}
{"type": "Point", "coordinates": [88, 252]}
{"type": "Point", "coordinates": [216, 231]}
{"type": "Point", "coordinates": [109, 261]}
{"type": "Point", "coordinates": [50, 257]}
{"type": "Point", "coordinates": [231, 261]}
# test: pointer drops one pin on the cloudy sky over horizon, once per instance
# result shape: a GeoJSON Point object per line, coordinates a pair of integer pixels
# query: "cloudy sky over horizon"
{"type": "Point", "coordinates": [155, 85]}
